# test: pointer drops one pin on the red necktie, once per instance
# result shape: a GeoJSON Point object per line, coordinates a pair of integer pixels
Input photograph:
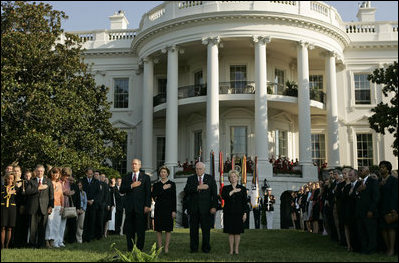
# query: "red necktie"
{"type": "Point", "coordinates": [134, 177]}
{"type": "Point", "coordinates": [40, 182]}
{"type": "Point", "coordinates": [200, 180]}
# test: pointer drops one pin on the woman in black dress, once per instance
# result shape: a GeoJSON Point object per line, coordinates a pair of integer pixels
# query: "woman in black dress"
{"type": "Point", "coordinates": [164, 195]}
{"type": "Point", "coordinates": [8, 208]}
{"type": "Point", "coordinates": [234, 211]}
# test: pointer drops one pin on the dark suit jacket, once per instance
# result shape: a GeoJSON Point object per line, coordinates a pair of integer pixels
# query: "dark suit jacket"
{"type": "Point", "coordinates": [201, 201]}
{"type": "Point", "coordinates": [92, 190]}
{"type": "Point", "coordinates": [39, 199]}
{"type": "Point", "coordinates": [367, 200]}
{"type": "Point", "coordinates": [118, 199]}
{"type": "Point", "coordinates": [139, 197]}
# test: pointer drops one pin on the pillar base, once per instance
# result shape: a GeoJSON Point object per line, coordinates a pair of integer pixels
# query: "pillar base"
{"type": "Point", "coordinates": [309, 172]}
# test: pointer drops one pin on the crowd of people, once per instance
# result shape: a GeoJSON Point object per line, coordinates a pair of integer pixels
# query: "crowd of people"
{"type": "Point", "coordinates": [350, 206]}
{"type": "Point", "coordinates": [356, 208]}
{"type": "Point", "coordinates": [33, 207]}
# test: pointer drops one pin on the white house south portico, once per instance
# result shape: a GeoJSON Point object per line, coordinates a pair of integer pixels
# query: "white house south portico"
{"type": "Point", "coordinates": [212, 75]}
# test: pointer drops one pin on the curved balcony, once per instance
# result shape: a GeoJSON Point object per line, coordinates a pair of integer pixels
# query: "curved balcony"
{"type": "Point", "coordinates": [239, 87]}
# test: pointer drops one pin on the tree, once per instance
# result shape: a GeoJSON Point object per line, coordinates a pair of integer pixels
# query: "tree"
{"type": "Point", "coordinates": [52, 112]}
{"type": "Point", "coordinates": [386, 114]}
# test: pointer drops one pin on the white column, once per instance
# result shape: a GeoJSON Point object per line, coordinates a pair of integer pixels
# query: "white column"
{"type": "Point", "coordinates": [148, 110]}
{"type": "Point", "coordinates": [305, 145]}
{"type": "Point", "coordinates": [212, 100]}
{"type": "Point", "coordinates": [333, 159]}
{"type": "Point", "coordinates": [261, 116]}
{"type": "Point", "coordinates": [171, 133]}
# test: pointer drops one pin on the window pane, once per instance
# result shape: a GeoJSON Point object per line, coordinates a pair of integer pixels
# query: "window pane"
{"type": "Point", "coordinates": [238, 76]}
{"type": "Point", "coordinates": [197, 143]}
{"type": "Point", "coordinates": [318, 149]}
{"type": "Point", "coordinates": [121, 93]}
{"type": "Point", "coordinates": [364, 149]}
{"type": "Point", "coordinates": [362, 89]}
{"type": "Point", "coordinates": [282, 143]}
{"type": "Point", "coordinates": [238, 143]}
{"type": "Point", "coordinates": [316, 81]}
{"type": "Point", "coordinates": [160, 151]}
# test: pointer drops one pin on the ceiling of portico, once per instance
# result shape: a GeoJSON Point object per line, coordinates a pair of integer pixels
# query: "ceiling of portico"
{"type": "Point", "coordinates": [277, 48]}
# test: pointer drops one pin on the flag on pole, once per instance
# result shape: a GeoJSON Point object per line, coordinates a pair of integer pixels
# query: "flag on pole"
{"type": "Point", "coordinates": [213, 165]}
{"type": "Point", "coordinates": [232, 162]}
{"type": "Point", "coordinates": [200, 154]}
{"type": "Point", "coordinates": [221, 176]}
{"type": "Point", "coordinates": [244, 171]}
{"type": "Point", "coordinates": [255, 186]}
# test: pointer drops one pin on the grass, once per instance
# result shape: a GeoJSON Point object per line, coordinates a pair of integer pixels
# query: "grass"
{"type": "Point", "coordinates": [256, 245]}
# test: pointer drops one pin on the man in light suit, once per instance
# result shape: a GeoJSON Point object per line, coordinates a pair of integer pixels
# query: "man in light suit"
{"type": "Point", "coordinates": [201, 191]}
{"type": "Point", "coordinates": [40, 203]}
{"type": "Point", "coordinates": [137, 187]}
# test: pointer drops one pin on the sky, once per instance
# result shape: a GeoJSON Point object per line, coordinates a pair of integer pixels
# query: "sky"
{"type": "Point", "coordinates": [91, 15]}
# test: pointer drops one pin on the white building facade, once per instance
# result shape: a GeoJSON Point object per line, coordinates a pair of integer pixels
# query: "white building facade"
{"type": "Point", "coordinates": [211, 75]}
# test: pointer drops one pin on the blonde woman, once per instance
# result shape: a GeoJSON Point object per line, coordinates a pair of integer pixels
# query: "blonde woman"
{"type": "Point", "coordinates": [235, 210]}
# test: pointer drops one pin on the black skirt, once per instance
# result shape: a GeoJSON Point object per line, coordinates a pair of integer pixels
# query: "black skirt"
{"type": "Point", "coordinates": [233, 224]}
{"type": "Point", "coordinates": [8, 216]}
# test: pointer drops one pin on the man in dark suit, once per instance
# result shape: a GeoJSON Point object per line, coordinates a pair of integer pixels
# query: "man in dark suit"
{"type": "Point", "coordinates": [201, 191]}
{"type": "Point", "coordinates": [40, 203]}
{"type": "Point", "coordinates": [368, 196]}
{"type": "Point", "coordinates": [137, 187]}
{"type": "Point", "coordinates": [92, 188]}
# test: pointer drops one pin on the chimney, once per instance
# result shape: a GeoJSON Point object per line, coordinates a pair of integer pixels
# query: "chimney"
{"type": "Point", "coordinates": [118, 20]}
{"type": "Point", "coordinates": [366, 13]}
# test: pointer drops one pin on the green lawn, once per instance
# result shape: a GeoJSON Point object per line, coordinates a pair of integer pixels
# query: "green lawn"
{"type": "Point", "coordinates": [256, 245]}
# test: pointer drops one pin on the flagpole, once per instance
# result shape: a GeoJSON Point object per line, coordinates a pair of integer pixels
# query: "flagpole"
{"type": "Point", "coordinates": [221, 176]}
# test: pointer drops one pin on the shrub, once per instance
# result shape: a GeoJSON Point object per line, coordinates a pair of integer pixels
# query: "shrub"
{"type": "Point", "coordinates": [136, 255]}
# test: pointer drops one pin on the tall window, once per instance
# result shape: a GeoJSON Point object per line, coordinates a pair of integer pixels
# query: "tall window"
{"type": "Point", "coordinates": [318, 149]}
{"type": "Point", "coordinates": [121, 93]}
{"type": "Point", "coordinates": [238, 76]}
{"type": "Point", "coordinates": [198, 78]}
{"type": "Point", "coordinates": [160, 151]}
{"type": "Point", "coordinates": [364, 149]}
{"type": "Point", "coordinates": [162, 86]}
{"type": "Point", "coordinates": [238, 140]}
{"type": "Point", "coordinates": [197, 143]}
{"type": "Point", "coordinates": [316, 81]}
{"type": "Point", "coordinates": [362, 89]}
{"type": "Point", "coordinates": [279, 75]}
{"type": "Point", "coordinates": [121, 165]}
{"type": "Point", "coordinates": [282, 143]}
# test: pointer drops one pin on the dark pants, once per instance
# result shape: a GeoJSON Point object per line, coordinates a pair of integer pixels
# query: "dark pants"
{"type": "Point", "coordinates": [71, 226]}
{"type": "Point", "coordinates": [99, 229]}
{"type": "Point", "coordinates": [257, 217]}
{"type": "Point", "coordinates": [205, 221]}
{"type": "Point", "coordinates": [37, 229]}
{"type": "Point", "coordinates": [89, 223]}
{"type": "Point", "coordinates": [21, 231]}
{"type": "Point", "coordinates": [118, 221]}
{"type": "Point", "coordinates": [367, 230]}
{"type": "Point", "coordinates": [135, 224]}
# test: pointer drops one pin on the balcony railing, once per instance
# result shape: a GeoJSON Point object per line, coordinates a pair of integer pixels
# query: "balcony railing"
{"type": "Point", "coordinates": [239, 87]}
